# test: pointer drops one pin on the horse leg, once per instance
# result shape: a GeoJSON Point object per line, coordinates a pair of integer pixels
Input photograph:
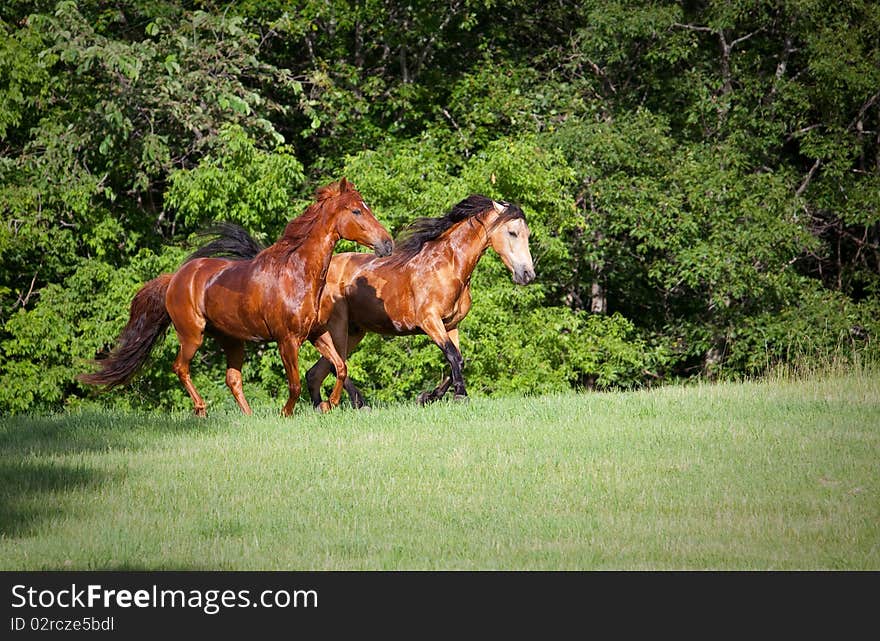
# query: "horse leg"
{"type": "Point", "coordinates": [438, 392]}
{"type": "Point", "coordinates": [324, 344]}
{"type": "Point", "coordinates": [436, 331]}
{"type": "Point", "coordinates": [315, 378]}
{"type": "Point", "coordinates": [332, 346]}
{"type": "Point", "coordinates": [189, 343]}
{"type": "Point", "coordinates": [289, 349]}
{"type": "Point", "coordinates": [354, 394]}
{"type": "Point", "coordinates": [234, 350]}
{"type": "Point", "coordinates": [343, 343]}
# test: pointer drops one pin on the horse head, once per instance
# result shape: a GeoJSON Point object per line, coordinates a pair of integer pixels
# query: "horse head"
{"type": "Point", "coordinates": [509, 237]}
{"type": "Point", "coordinates": [355, 220]}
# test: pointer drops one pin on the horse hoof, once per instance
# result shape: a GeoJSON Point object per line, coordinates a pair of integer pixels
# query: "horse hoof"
{"type": "Point", "coordinates": [461, 398]}
{"type": "Point", "coordinates": [426, 397]}
{"type": "Point", "coordinates": [201, 412]}
{"type": "Point", "coordinates": [324, 407]}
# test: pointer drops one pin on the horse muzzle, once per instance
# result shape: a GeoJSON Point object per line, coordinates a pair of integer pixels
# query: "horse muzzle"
{"type": "Point", "coordinates": [523, 276]}
{"type": "Point", "coordinates": [383, 247]}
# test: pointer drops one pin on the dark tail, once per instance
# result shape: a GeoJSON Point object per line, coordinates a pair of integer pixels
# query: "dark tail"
{"type": "Point", "coordinates": [230, 241]}
{"type": "Point", "coordinates": [147, 321]}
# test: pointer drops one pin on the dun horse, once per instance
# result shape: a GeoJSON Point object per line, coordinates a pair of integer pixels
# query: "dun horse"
{"type": "Point", "coordinates": [423, 287]}
{"type": "Point", "coordinates": [272, 295]}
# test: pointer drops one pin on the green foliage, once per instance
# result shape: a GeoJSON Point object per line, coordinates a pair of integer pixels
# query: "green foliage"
{"type": "Point", "coordinates": [74, 320]}
{"type": "Point", "coordinates": [821, 327]}
{"type": "Point", "coordinates": [553, 349]}
{"type": "Point", "coordinates": [702, 181]}
{"type": "Point", "coordinates": [237, 182]}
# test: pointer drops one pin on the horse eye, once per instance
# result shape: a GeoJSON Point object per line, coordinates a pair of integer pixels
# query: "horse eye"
{"type": "Point", "coordinates": [512, 233]}
{"type": "Point", "coordinates": [356, 212]}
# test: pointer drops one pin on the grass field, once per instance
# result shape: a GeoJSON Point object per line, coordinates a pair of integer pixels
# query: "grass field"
{"type": "Point", "coordinates": [772, 475]}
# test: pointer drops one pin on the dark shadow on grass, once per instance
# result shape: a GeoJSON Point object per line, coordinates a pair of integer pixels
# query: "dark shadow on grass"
{"type": "Point", "coordinates": [34, 475]}
{"type": "Point", "coordinates": [32, 492]}
{"type": "Point", "coordinates": [92, 432]}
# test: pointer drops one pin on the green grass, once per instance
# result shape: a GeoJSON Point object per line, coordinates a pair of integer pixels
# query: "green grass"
{"type": "Point", "coordinates": [771, 475]}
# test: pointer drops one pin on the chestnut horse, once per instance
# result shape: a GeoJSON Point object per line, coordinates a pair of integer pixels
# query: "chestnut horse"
{"type": "Point", "coordinates": [422, 288]}
{"type": "Point", "coordinates": [249, 296]}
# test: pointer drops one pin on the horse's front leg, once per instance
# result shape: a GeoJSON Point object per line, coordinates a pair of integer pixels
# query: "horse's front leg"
{"type": "Point", "coordinates": [289, 349]}
{"type": "Point", "coordinates": [438, 392]}
{"type": "Point", "coordinates": [324, 345]}
{"type": "Point", "coordinates": [448, 344]}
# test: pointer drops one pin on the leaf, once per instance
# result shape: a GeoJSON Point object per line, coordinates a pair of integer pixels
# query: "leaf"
{"type": "Point", "coordinates": [171, 65]}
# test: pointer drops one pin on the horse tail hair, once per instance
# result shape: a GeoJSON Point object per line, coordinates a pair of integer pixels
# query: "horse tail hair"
{"type": "Point", "coordinates": [229, 241]}
{"type": "Point", "coordinates": [148, 319]}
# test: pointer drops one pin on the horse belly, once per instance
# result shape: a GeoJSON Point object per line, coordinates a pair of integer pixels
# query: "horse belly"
{"type": "Point", "coordinates": [380, 316]}
{"type": "Point", "coordinates": [390, 327]}
{"type": "Point", "coordinates": [233, 312]}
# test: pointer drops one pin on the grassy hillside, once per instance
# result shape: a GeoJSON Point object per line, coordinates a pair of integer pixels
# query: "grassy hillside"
{"type": "Point", "coordinates": [781, 474]}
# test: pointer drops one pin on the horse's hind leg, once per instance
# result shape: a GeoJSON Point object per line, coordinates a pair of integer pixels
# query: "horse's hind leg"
{"type": "Point", "coordinates": [438, 392]}
{"type": "Point", "coordinates": [189, 343]}
{"type": "Point", "coordinates": [342, 343]}
{"type": "Point", "coordinates": [315, 378]}
{"type": "Point", "coordinates": [354, 394]}
{"type": "Point", "coordinates": [234, 350]}
{"type": "Point", "coordinates": [319, 372]}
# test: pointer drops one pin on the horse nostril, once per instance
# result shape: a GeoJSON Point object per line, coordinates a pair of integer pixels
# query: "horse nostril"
{"type": "Point", "coordinates": [384, 248]}
{"type": "Point", "coordinates": [525, 276]}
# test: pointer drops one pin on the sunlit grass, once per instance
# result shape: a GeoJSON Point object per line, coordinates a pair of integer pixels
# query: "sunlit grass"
{"type": "Point", "coordinates": [775, 475]}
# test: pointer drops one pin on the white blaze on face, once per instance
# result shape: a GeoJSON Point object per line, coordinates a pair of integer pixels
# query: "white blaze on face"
{"type": "Point", "coordinates": [517, 237]}
{"type": "Point", "coordinates": [511, 241]}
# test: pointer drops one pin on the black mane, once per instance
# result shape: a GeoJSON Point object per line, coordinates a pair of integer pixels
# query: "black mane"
{"type": "Point", "coordinates": [414, 236]}
{"type": "Point", "coordinates": [229, 241]}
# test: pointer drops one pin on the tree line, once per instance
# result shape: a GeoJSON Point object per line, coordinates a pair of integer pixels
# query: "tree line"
{"type": "Point", "coordinates": [702, 179]}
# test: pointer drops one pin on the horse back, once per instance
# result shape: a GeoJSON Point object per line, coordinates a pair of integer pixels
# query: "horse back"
{"type": "Point", "coordinates": [186, 289]}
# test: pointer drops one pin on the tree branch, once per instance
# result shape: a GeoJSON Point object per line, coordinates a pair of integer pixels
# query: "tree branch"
{"type": "Point", "coordinates": [746, 37]}
{"type": "Point", "coordinates": [693, 27]}
{"type": "Point", "coordinates": [870, 102]}
{"type": "Point", "coordinates": [867, 105]}
{"type": "Point", "coordinates": [800, 190]}
{"type": "Point", "coordinates": [23, 301]}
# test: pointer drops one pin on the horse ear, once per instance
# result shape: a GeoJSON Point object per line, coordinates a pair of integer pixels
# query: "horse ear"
{"type": "Point", "coordinates": [343, 185]}
{"type": "Point", "coordinates": [499, 207]}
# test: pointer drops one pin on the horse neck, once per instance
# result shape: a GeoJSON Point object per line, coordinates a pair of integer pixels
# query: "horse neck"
{"type": "Point", "coordinates": [318, 243]}
{"type": "Point", "coordinates": [469, 241]}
